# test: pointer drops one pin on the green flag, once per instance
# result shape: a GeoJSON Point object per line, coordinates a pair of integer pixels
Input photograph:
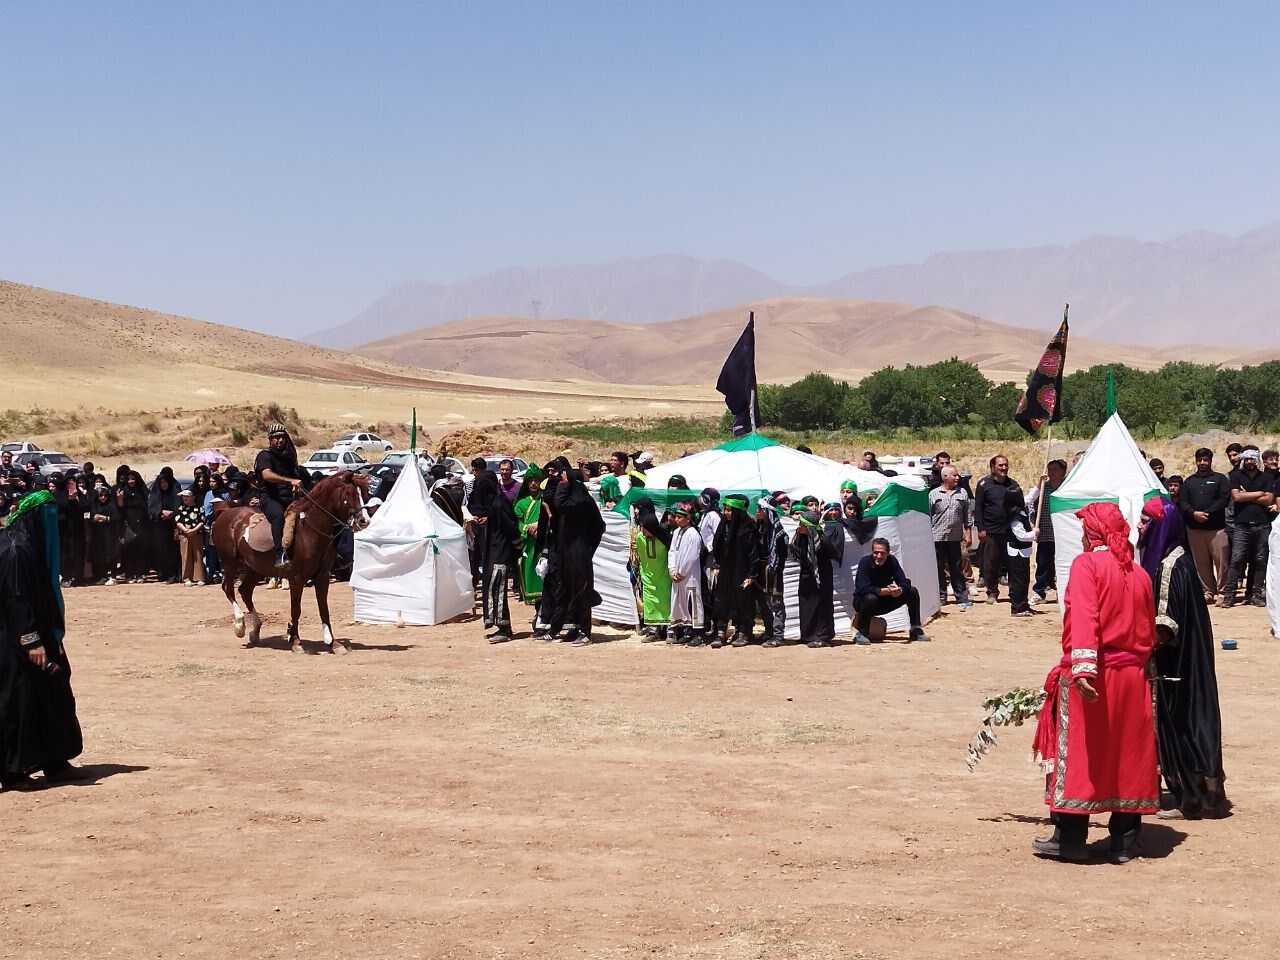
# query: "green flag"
{"type": "Point", "coordinates": [413, 431]}
{"type": "Point", "coordinates": [1111, 392]}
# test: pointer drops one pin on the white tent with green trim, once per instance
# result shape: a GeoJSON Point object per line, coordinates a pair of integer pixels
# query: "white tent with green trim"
{"type": "Point", "coordinates": [411, 561]}
{"type": "Point", "coordinates": [1113, 469]}
{"type": "Point", "coordinates": [754, 462]}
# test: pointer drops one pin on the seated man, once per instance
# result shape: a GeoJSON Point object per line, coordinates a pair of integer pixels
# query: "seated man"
{"type": "Point", "coordinates": [879, 587]}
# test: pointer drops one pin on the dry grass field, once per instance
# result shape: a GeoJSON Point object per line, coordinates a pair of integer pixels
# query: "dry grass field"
{"type": "Point", "coordinates": [432, 796]}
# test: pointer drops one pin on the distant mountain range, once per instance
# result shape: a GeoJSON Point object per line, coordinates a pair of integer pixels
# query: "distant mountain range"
{"type": "Point", "coordinates": [1199, 287]}
{"type": "Point", "coordinates": [845, 338]}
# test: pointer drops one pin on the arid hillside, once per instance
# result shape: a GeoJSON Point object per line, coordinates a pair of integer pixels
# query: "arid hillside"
{"type": "Point", "coordinates": [63, 353]}
{"type": "Point", "coordinates": [795, 335]}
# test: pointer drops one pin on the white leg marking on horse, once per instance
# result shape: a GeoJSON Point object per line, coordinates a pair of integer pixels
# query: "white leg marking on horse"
{"type": "Point", "coordinates": [237, 618]}
{"type": "Point", "coordinates": [328, 635]}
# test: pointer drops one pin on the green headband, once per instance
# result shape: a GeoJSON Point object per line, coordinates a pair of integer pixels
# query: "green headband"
{"type": "Point", "coordinates": [681, 512]}
{"type": "Point", "coordinates": [848, 485]}
{"type": "Point", "coordinates": [736, 500]}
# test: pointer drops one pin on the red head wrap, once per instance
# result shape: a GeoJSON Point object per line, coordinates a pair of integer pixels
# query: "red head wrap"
{"type": "Point", "coordinates": [1154, 508]}
{"type": "Point", "coordinates": [1104, 525]}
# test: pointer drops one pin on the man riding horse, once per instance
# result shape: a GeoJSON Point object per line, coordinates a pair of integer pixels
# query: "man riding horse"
{"type": "Point", "coordinates": [280, 478]}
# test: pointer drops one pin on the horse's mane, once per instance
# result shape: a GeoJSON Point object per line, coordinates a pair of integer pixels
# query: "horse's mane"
{"type": "Point", "coordinates": [325, 485]}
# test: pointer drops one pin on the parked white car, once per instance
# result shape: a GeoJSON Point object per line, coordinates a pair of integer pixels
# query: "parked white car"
{"type": "Point", "coordinates": [362, 443]}
{"type": "Point", "coordinates": [19, 446]}
{"type": "Point", "coordinates": [47, 462]}
{"type": "Point", "coordinates": [329, 462]}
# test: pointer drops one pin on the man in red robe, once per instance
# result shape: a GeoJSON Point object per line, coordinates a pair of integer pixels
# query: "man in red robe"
{"type": "Point", "coordinates": [1096, 735]}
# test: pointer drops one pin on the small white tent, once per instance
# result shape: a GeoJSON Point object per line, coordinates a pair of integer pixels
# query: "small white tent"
{"type": "Point", "coordinates": [411, 561]}
{"type": "Point", "coordinates": [1112, 469]}
{"type": "Point", "coordinates": [754, 462]}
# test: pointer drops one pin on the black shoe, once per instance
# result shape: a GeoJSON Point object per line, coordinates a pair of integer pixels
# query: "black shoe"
{"type": "Point", "coordinates": [695, 640]}
{"type": "Point", "coordinates": [1257, 602]}
{"type": "Point", "coordinates": [772, 642]}
{"type": "Point", "coordinates": [500, 637]}
{"type": "Point", "coordinates": [64, 773]}
{"type": "Point", "coordinates": [283, 562]}
{"type": "Point", "coordinates": [1054, 849]}
{"type": "Point", "coordinates": [817, 644]}
{"type": "Point", "coordinates": [1124, 847]}
{"type": "Point", "coordinates": [717, 642]}
{"type": "Point", "coordinates": [917, 633]}
{"type": "Point", "coordinates": [23, 784]}
{"type": "Point", "coordinates": [1228, 602]}
{"type": "Point", "coordinates": [582, 640]}
{"type": "Point", "coordinates": [740, 640]}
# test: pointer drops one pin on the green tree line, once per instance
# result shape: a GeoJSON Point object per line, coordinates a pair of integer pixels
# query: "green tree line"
{"type": "Point", "coordinates": [954, 397]}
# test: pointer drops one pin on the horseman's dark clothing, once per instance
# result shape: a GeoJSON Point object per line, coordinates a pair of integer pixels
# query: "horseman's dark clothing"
{"type": "Point", "coordinates": [275, 497]}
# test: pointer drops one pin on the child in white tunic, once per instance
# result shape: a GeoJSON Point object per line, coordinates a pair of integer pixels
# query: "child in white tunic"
{"type": "Point", "coordinates": [684, 561]}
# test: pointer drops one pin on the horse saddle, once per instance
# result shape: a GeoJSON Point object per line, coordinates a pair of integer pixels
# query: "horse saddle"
{"type": "Point", "coordinates": [257, 533]}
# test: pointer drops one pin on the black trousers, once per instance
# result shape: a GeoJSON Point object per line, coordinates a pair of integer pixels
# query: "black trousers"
{"type": "Point", "coordinates": [763, 603]}
{"type": "Point", "coordinates": [870, 605]}
{"type": "Point", "coordinates": [995, 557]}
{"type": "Point", "coordinates": [497, 613]}
{"type": "Point", "coordinates": [1046, 572]}
{"type": "Point", "coordinates": [1072, 829]}
{"type": "Point", "coordinates": [1249, 546]}
{"type": "Point", "coordinates": [947, 553]}
{"type": "Point", "coordinates": [1019, 580]}
{"type": "Point", "coordinates": [274, 511]}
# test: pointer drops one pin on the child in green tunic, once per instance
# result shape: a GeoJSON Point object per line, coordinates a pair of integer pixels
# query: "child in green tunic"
{"type": "Point", "coordinates": [649, 544]}
{"type": "Point", "coordinates": [528, 508]}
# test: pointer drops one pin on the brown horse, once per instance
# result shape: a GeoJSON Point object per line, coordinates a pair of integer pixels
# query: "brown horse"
{"type": "Point", "coordinates": [319, 516]}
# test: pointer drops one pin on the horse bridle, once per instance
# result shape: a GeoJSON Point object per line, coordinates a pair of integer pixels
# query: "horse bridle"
{"type": "Point", "coordinates": [338, 522]}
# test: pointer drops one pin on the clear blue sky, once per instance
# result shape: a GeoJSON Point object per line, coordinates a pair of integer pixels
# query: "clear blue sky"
{"type": "Point", "coordinates": [278, 165]}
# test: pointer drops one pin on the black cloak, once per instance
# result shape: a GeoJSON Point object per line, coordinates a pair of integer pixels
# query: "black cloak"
{"type": "Point", "coordinates": [737, 554]}
{"type": "Point", "coordinates": [38, 725]}
{"type": "Point", "coordinates": [579, 529]}
{"type": "Point", "coordinates": [1188, 720]}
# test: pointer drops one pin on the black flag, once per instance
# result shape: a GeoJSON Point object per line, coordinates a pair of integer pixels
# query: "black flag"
{"type": "Point", "coordinates": [1042, 402]}
{"type": "Point", "coordinates": [738, 381]}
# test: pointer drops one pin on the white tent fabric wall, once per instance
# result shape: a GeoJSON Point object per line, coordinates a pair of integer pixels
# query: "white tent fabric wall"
{"type": "Point", "coordinates": [411, 561]}
{"type": "Point", "coordinates": [917, 563]}
{"type": "Point", "coordinates": [1273, 577]}
{"type": "Point", "coordinates": [1112, 469]}
{"type": "Point", "coordinates": [617, 599]}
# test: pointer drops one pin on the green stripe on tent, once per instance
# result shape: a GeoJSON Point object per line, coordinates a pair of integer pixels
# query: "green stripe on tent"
{"type": "Point", "coordinates": [896, 499]}
{"type": "Point", "coordinates": [1057, 504]}
{"type": "Point", "coordinates": [750, 441]}
{"type": "Point", "coordinates": [663, 499]}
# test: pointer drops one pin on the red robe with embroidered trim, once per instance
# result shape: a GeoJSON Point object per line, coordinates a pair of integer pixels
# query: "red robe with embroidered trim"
{"type": "Point", "coordinates": [1102, 752]}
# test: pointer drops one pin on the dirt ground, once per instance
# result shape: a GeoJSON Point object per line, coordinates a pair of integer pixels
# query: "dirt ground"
{"type": "Point", "coordinates": [432, 796]}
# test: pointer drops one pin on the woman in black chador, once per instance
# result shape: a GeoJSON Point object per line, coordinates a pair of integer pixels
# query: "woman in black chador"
{"type": "Point", "coordinates": [38, 726]}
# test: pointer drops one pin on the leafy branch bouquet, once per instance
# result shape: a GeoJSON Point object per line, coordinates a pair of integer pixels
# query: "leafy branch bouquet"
{"type": "Point", "coordinates": [1008, 709]}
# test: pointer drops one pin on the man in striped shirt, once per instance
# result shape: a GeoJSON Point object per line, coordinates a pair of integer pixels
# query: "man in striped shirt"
{"type": "Point", "coordinates": [951, 512]}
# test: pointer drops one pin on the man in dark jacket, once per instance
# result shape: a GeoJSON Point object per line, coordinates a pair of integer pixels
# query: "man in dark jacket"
{"type": "Point", "coordinates": [880, 586]}
{"type": "Point", "coordinates": [1203, 501]}
{"type": "Point", "coordinates": [990, 520]}
{"type": "Point", "coordinates": [1251, 493]}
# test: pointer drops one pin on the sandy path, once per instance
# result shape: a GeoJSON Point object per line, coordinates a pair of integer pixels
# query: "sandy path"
{"type": "Point", "coordinates": [431, 796]}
